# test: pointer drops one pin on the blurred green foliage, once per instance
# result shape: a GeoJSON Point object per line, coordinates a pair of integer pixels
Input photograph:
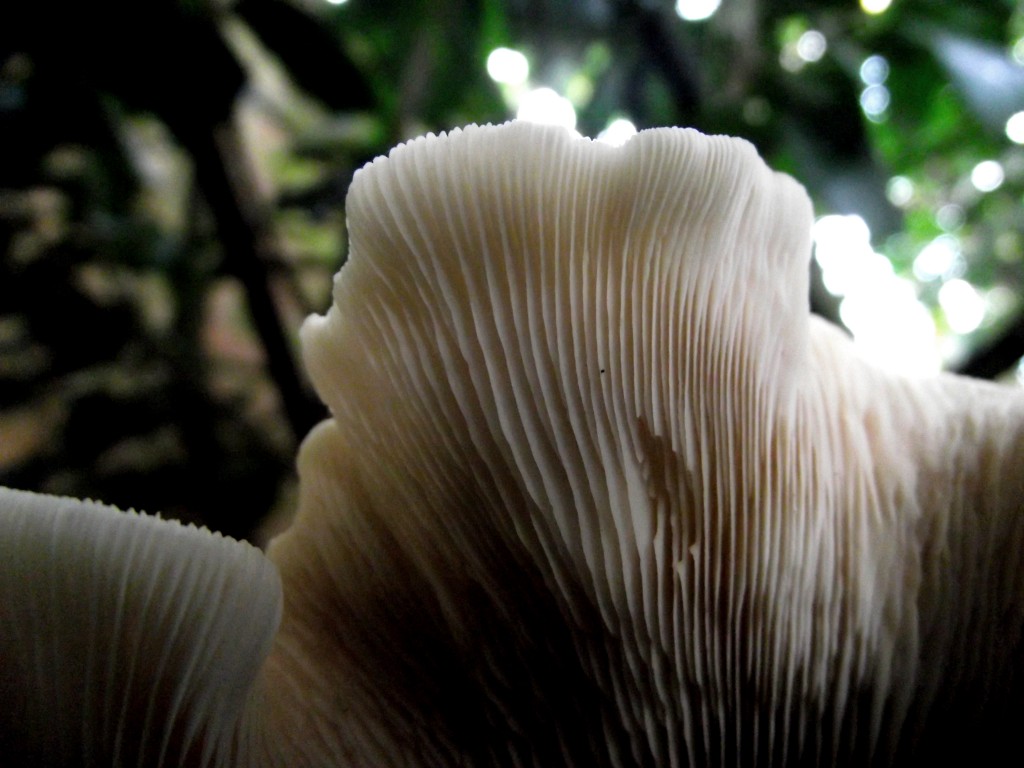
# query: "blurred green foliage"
{"type": "Point", "coordinates": [172, 179]}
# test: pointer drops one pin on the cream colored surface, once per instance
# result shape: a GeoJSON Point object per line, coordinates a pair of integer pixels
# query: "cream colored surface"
{"type": "Point", "coordinates": [597, 490]}
{"type": "Point", "coordinates": [599, 361]}
{"type": "Point", "coordinates": [126, 639]}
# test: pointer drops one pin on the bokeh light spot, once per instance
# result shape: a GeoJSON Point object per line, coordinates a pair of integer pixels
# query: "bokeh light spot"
{"type": "Point", "coordinates": [963, 306]}
{"type": "Point", "coordinates": [875, 6]}
{"type": "Point", "coordinates": [987, 176]}
{"type": "Point", "coordinates": [618, 132]}
{"type": "Point", "coordinates": [1015, 128]}
{"type": "Point", "coordinates": [811, 46]}
{"type": "Point", "coordinates": [508, 66]}
{"type": "Point", "coordinates": [696, 10]}
{"type": "Point", "coordinates": [544, 105]}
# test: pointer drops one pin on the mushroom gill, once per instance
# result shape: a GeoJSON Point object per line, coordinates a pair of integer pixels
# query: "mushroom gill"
{"type": "Point", "coordinates": [596, 489]}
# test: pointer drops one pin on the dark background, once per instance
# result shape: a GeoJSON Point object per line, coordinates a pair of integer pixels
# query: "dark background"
{"type": "Point", "coordinates": [172, 180]}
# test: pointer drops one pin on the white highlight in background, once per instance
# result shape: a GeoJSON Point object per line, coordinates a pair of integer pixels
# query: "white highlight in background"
{"type": "Point", "coordinates": [890, 326]}
{"type": "Point", "coordinates": [811, 46]}
{"type": "Point", "coordinates": [940, 259]}
{"type": "Point", "coordinates": [842, 247]}
{"type": "Point", "coordinates": [874, 100]}
{"type": "Point", "coordinates": [617, 133]}
{"type": "Point", "coordinates": [963, 306]}
{"type": "Point", "coordinates": [874, 70]}
{"type": "Point", "coordinates": [696, 10]}
{"type": "Point", "coordinates": [987, 176]}
{"type": "Point", "coordinates": [544, 105]}
{"type": "Point", "coordinates": [875, 6]}
{"type": "Point", "coordinates": [1015, 128]}
{"type": "Point", "coordinates": [507, 66]}
{"type": "Point", "coordinates": [900, 191]}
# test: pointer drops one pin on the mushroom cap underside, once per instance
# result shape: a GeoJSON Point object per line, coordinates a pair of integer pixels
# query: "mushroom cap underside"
{"type": "Point", "coordinates": [607, 493]}
{"type": "Point", "coordinates": [595, 491]}
{"type": "Point", "coordinates": [126, 639]}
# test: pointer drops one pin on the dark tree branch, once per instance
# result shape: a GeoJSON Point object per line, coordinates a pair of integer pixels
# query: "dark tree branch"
{"type": "Point", "coordinates": [193, 91]}
{"type": "Point", "coordinates": [310, 51]}
{"type": "Point", "coordinates": [667, 57]}
{"type": "Point", "coordinates": [997, 357]}
{"type": "Point", "coordinates": [225, 179]}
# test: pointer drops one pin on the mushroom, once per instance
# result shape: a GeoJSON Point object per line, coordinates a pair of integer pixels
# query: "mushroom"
{"type": "Point", "coordinates": [126, 639]}
{"type": "Point", "coordinates": [596, 490]}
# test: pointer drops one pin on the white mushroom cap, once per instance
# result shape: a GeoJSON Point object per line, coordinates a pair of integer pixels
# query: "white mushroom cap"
{"type": "Point", "coordinates": [596, 491]}
{"type": "Point", "coordinates": [125, 639]}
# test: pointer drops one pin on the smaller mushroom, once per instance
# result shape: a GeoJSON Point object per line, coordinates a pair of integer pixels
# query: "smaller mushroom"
{"type": "Point", "coordinates": [127, 639]}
